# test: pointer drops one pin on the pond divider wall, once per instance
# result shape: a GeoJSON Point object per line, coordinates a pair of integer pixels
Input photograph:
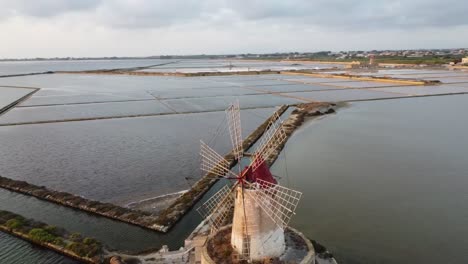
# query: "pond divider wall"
{"type": "Point", "coordinates": [174, 212]}
{"type": "Point", "coordinates": [135, 217]}
{"type": "Point", "coordinates": [297, 117]}
{"type": "Point", "coordinates": [363, 78]}
{"type": "Point", "coordinates": [25, 74]}
{"type": "Point", "coordinates": [186, 201]}
{"type": "Point", "coordinates": [14, 103]}
{"type": "Point", "coordinates": [178, 74]}
{"type": "Point", "coordinates": [161, 222]}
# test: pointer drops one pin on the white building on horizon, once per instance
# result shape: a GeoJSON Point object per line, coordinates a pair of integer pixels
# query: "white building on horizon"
{"type": "Point", "coordinates": [464, 60]}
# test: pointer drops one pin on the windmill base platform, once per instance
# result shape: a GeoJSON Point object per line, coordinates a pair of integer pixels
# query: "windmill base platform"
{"type": "Point", "coordinates": [218, 249]}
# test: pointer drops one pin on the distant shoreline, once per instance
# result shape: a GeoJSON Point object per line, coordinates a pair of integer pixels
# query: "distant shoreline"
{"type": "Point", "coordinates": [83, 59]}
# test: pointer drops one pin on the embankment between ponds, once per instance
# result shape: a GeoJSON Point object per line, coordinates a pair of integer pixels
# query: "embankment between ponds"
{"type": "Point", "coordinates": [364, 78]}
{"type": "Point", "coordinates": [15, 103]}
{"type": "Point", "coordinates": [161, 222]}
{"type": "Point", "coordinates": [178, 74]}
{"type": "Point", "coordinates": [167, 218]}
{"type": "Point", "coordinates": [186, 201]}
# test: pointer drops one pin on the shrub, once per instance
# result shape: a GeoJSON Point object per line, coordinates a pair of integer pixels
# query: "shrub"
{"type": "Point", "coordinates": [77, 248]}
{"type": "Point", "coordinates": [75, 237]}
{"type": "Point", "coordinates": [15, 223]}
{"type": "Point", "coordinates": [93, 250]}
{"type": "Point", "coordinates": [84, 250]}
{"type": "Point", "coordinates": [89, 241]}
{"type": "Point", "coordinates": [51, 229]}
{"type": "Point", "coordinates": [59, 242]}
{"type": "Point", "coordinates": [41, 235]}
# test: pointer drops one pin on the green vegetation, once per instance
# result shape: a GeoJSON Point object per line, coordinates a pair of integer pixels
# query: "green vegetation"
{"type": "Point", "coordinates": [14, 223]}
{"type": "Point", "coordinates": [41, 235]}
{"type": "Point", "coordinates": [429, 59]}
{"type": "Point", "coordinates": [50, 235]}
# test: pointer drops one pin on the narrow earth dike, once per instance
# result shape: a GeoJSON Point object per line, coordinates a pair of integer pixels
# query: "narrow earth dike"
{"type": "Point", "coordinates": [161, 222]}
{"type": "Point", "coordinates": [15, 103]}
{"type": "Point", "coordinates": [25, 74]}
{"type": "Point", "coordinates": [384, 79]}
{"type": "Point", "coordinates": [86, 250]}
{"type": "Point", "coordinates": [135, 217]}
{"type": "Point", "coordinates": [174, 212]}
{"type": "Point", "coordinates": [165, 219]}
{"type": "Point", "coordinates": [295, 120]}
{"type": "Point", "coordinates": [178, 74]}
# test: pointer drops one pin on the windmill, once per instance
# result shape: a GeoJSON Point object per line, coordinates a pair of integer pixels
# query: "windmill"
{"type": "Point", "coordinates": [260, 208]}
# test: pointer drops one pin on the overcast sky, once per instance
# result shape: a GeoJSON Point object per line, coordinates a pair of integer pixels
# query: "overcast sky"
{"type": "Point", "coordinates": [49, 28]}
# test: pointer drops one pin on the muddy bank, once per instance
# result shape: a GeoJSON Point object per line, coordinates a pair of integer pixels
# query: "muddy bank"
{"type": "Point", "coordinates": [86, 250]}
{"type": "Point", "coordinates": [174, 212]}
{"type": "Point", "coordinates": [156, 204]}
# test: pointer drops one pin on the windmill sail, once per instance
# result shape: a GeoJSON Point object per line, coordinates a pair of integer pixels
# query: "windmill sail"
{"type": "Point", "coordinates": [272, 138]}
{"type": "Point", "coordinates": [235, 130]}
{"type": "Point", "coordinates": [212, 162]}
{"type": "Point", "coordinates": [218, 209]}
{"type": "Point", "coordinates": [278, 202]}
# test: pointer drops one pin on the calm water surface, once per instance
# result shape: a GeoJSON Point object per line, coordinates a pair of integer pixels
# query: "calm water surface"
{"type": "Point", "coordinates": [385, 181]}
{"type": "Point", "coordinates": [17, 251]}
{"type": "Point", "coordinates": [23, 67]}
{"type": "Point", "coordinates": [117, 160]}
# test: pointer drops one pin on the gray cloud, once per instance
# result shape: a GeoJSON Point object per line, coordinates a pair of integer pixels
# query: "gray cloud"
{"type": "Point", "coordinates": [45, 8]}
{"type": "Point", "coordinates": [144, 27]}
{"type": "Point", "coordinates": [357, 14]}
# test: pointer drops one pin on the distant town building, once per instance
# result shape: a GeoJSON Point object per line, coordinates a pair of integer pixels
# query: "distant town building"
{"type": "Point", "coordinates": [465, 61]}
{"type": "Point", "coordinates": [372, 60]}
{"type": "Point", "coordinates": [354, 65]}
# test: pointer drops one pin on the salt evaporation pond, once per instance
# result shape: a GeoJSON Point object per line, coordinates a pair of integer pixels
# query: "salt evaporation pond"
{"type": "Point", "coordinates": [163, 65]}
{"type": "Point", "coordinates": [116, 160]}
{"type": "Point", "coordinates": [91, 83]}
{"type": "Point", "coordinates": [384, 181]}
{"type": "Point", "coordinates": [114, 234]}
{"type": "Point", "coordinates": [25, 67]}
{"type": "Point", "coordinates": [9, 95]}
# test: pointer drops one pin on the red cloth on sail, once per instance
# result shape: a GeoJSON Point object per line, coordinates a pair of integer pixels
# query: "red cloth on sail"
{"type": "Point", "coordinates": [262, 172]}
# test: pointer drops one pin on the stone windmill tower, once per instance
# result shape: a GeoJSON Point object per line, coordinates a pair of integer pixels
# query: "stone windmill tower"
{"type": "Point", "coordinates": [259, 208]}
